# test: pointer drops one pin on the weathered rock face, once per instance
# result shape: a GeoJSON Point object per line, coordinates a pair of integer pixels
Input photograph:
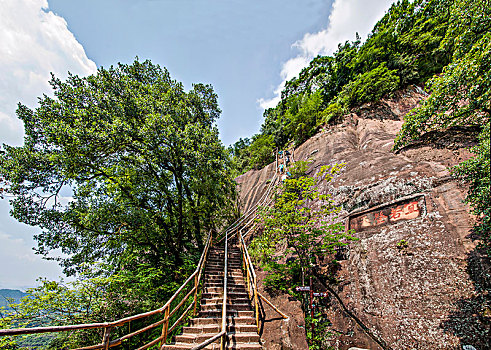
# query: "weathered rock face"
{"type": "Point", "coordinates": [406, 277]}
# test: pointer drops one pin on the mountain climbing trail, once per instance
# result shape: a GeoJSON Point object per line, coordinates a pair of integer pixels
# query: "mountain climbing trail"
{"type": "Point", "coordinates": [217, 307]}
{"type": "Point", "coordinates": [241, 324]}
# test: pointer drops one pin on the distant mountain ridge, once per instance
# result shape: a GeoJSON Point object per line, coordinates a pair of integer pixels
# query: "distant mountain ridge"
{"type": "Point", "coordinates": [15, 294]}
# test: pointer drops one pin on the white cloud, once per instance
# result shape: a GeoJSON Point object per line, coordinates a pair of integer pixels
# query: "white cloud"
{"type": "Point", "coordinates": [34, 42]}
{"type": "Point", "coordinates": [347, 17]}
{"type": "Point", "coordinates": [19, 266]}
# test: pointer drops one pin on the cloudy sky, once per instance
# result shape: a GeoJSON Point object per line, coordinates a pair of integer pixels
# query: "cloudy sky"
{"type": "Point", "coordinates": [245, 49]}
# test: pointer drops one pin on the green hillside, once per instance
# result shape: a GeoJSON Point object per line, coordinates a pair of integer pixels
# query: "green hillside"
{"type": "Point", "coordinates": [7, 294]}
{"type": "Point", "coordinates": [443, 46]}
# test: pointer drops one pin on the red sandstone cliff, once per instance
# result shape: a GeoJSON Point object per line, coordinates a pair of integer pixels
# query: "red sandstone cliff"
{"type": "Point", "coordinates": [417, 295]}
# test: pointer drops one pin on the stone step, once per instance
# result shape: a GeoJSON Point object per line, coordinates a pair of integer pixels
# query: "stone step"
{"type": "Point", "coordinates": [230, 286]}
{"type": "Point", "coordinates": [242, 337]}
{"type": "Point", "coordinates": [230, 294]}
{"type": "Point", "coordinates": [244, 320]}
{"type": "Point", "coordinates": [218, 313]}
{"type": "Point", "coordinates": [218, 291]}
{"type": "Point", "coordinates": [218, 288]}
{"type": "Point", "coordinates": [214, 301]}
{"type": "Point", "coordinates": [216, 328]}
{"type": "Point", "coordinates": [220, 274]}
{"type": "Point", "coordinates": [214, 346]}
{"type": "Point", "coordinates": [220, 278]}
{"type": "Point", "coordinates": [218, 307]}
{"type": "Point", "coordinates": [221, 263]}
{"type": "Point", "coordinates": [230, 281]}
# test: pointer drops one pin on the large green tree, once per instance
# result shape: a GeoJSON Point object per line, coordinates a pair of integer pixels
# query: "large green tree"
{"type": "Point", "coordinates": [121, 168]}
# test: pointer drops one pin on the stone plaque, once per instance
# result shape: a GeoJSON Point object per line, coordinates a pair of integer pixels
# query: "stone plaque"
{"type": "Point", "coordinates": [404, 210]}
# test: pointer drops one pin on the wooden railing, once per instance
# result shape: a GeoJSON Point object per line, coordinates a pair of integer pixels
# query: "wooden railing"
{"type": "Point", "coordinates": [251, 281]}
{"type": "Point", "coordinates": [167, 310]}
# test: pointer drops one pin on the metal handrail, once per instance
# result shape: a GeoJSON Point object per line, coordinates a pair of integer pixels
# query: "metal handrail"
{"type": "Point", "coordinates": [250, 221]}
{"type": "Point", "coordinates": [108, 326]}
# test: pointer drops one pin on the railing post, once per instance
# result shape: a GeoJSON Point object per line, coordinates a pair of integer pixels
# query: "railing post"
{"type": "Point", "coordinates": [195, 292]}
{"type": "Point", "coordinates": [248, 282]}
{"type": "Point", "coordinates": [165, 327]}
{"type": "Point", "coordinates": [106, 337]}
{"type": "Point", "coordinates": [256, 304]}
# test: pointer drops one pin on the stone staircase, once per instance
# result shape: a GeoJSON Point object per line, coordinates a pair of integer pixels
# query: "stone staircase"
{"type": "Point", "coordinates": [242, 331]}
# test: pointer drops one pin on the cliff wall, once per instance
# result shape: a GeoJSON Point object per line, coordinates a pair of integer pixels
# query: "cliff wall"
{"type": "Point", "coordinates": [408, 278]}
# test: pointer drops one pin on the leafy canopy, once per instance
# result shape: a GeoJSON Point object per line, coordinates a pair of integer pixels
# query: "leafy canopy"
{"type": "Point", "coordinates": [138, 158]}
{"type": "Point", "coordinates": [122, 171]}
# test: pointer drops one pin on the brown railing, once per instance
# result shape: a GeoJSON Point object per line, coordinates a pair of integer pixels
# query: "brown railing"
{"type": "Point", "coordinates": [251, 281]}
{"type": "Point", "coordinates": [243, 222]}
{"type": "Point", "coordinates": [165, 310]}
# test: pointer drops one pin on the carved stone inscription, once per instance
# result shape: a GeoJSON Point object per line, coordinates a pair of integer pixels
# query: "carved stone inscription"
{"type": "Point", "coordinates": [405, 210]}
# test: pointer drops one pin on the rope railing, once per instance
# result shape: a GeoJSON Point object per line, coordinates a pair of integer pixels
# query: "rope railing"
{"type": "Point", "coordinates": [109, 326]}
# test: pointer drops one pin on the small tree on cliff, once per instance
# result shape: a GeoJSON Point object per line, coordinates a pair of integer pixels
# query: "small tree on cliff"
{"type": "Point", "coordinates": [304, 222]}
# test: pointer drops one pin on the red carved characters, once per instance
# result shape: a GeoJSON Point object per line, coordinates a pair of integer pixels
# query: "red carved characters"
{"type": "Point", "coordinates": [406, 211]}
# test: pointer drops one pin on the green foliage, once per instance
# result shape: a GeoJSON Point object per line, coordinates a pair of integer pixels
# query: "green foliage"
{"type": "Point", "coordinates": [318, 340]}
{"type": "Point", "coordinates": [476, 172]}
{"type": "Point", "coordinates": [370, 86]}
{"type": "Point", "coordinates": [410, 44]}
{"type": "Point", "coordinates": [459, 97]}
{"type": "Point", "coordinates": [123, 171]}
{"type": "Point", "coordinates": [402, 244]}
{"type": "Point", "coordinates": [261, 151]}
{"type": "Point", "coordinates": [1, 188]}
{"type": "Point", "coordinates": [139, 158]}
{"type": "Point", "coordinates": [92, 299]}
{"type": "Point", "coordinates": [333, 111]}
{"type": "Point", "coordinates": [240, 154]}
{"type": "Point", "coordinates": [308, 234]}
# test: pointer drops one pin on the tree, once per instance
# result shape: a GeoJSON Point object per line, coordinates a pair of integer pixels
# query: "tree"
{"type": "Point", "coordinates": [123, 168]}
{"type": "Point", "coordinates": [302, 224]}
{"type": "Point", "coordinates": [461, 96]}
{"type": "Point", "coordinates": [304, 221]}
{"type": "Point", "coordinates": [476, 172]}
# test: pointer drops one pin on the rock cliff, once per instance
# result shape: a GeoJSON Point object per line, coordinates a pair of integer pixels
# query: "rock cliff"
{"type": "Point", "coordinates": [409, 278]}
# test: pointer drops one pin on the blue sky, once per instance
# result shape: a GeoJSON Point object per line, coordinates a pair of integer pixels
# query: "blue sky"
{"type": "Point", "coordinates": [237, 46]}
{"type": "Point", "coordinates": [245, 49]}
